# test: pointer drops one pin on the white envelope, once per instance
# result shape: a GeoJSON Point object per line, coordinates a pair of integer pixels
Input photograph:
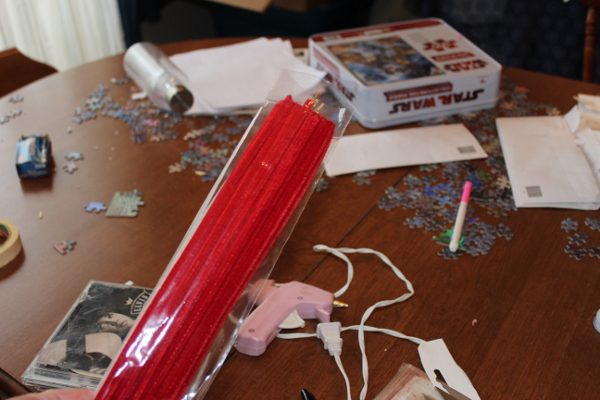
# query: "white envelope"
{"type": "Point", "coordinates": [226, 78]}
{"type": "Point", "coordinates": [545, 166]}
{"type": "Point", "coordinates": [402, 147]}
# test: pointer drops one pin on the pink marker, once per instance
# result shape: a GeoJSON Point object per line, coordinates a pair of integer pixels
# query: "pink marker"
{"type": "Point", "coordinates": [460, 217]}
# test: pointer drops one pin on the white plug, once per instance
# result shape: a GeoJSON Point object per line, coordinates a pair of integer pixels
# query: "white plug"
{"type": "Point", "coordinates": [329, 333]}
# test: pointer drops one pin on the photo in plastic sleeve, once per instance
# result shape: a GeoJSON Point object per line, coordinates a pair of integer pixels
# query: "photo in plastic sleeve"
{"type": "Point", "coordinates": [384, 60]}
{"type": "Point", "coordinates": [89, 337]}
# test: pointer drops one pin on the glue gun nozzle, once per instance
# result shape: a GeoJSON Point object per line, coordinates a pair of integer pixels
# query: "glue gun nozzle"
{"type": "Point", "coordinates": [340, 304]}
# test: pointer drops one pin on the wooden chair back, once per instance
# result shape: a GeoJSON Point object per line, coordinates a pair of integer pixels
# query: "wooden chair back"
{"type": "Point", "coordinates": [17, 70]}
{"type": "Point", "coordinates": [589, 44]}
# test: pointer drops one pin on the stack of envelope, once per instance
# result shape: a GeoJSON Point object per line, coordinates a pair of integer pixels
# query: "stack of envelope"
{"type": "Point", "coordinates": [546, 166]}
{"type": "Point", "coordinates": [227, 79]}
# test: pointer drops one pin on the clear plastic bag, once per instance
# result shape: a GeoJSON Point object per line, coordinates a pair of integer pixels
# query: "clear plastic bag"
{"type": "Point", "coordinates": [144, 354]}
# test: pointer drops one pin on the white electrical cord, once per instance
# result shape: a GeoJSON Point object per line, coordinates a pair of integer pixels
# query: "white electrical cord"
{"type": "Point", "coordinates": [331, 338]}
{"type": "Point", "coordinates": [367, 328]}
{"type": "Point", "coordinates": [338, 361]}
{"type": "Point", "coordinates": [338, 253]}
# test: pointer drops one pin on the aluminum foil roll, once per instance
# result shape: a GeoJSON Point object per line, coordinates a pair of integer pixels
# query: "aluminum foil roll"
{"type": "Point", "coordinates": [155, 74]}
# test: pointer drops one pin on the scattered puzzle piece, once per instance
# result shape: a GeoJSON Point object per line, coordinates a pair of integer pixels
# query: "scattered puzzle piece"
{"type": "Point", "coordinates": [65, 246]}
{"type": "Point", "coordinates": [15, 98]}
{"type": "Point", "coordinates": [593, 224]}
{"type": "Point", "coordinates": [95, 207]}
{"type": "Point", "coordinates": [176, 168]}
{"type": "Point", "coordinates": [578, 244]}
{"type": "Point", "coordinates": [70, 167]}
{"type": "Point", "coordinates": [569, 225]}
{"type": "Point", "coordinates": [578, 239]}
{"type": "Point", "coordinates": [120, 81]}
{"type": "Point", "coordinates": [446, 254]}
{"type": "Point", "coordinates": [10, 115]}
{"type": "Point", "coordinates": [74, 156]}
{"type": "Point", "coordinates": [322, 185]}
{"type": "Point", "coordinates": [363, 178]}
{"type": "Point", "coordinates": [125, 204]}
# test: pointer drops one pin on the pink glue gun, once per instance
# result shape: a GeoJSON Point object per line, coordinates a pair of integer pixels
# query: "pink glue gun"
{"type": "Point", "coordinates": [283, 306]}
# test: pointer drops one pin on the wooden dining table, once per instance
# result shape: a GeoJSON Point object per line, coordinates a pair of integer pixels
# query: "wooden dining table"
{"type": "Point", "coordinates": [518, 320]}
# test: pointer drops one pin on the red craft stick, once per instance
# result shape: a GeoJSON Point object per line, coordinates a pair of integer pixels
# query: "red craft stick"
{"type": "Point", "coordinates": [173, 336]}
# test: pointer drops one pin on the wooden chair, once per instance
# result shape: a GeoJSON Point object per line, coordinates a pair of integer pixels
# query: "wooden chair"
{"type": "Point", "coordinates": [16, 70]}
{"type": "Point", "coordinates": [589, 45]}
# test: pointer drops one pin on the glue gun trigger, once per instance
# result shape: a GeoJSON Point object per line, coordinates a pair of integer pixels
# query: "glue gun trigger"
{"type": "Point", "coordinates": [292, 321]}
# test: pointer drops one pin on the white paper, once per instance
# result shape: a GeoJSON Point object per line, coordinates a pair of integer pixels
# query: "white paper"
{"type": "Point", "coordinates": [545, 166]}
{"type": "Point", "coordinates": [53, 353]}
{"type": "Point", "coordinates": [227, 78]}
{"type": "Point", "coordinates": [436, 356]}
{"type": "Point", "coordinates": [106, 343]}
{"type": "Point", "coordinates": [402, 147]}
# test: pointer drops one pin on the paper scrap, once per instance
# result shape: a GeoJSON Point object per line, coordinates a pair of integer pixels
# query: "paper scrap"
{"type": "Point", "coordinates": [435, 357]}
{"type": "Point", "coordinates": [106, 343]}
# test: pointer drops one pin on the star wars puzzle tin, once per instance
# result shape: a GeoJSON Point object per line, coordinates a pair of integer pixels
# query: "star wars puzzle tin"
{"type": "Point", "coordinates": [408, 71]}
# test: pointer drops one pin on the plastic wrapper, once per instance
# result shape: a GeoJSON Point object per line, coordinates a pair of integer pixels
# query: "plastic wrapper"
{"type": "Point", "coordinates": [164, 354]}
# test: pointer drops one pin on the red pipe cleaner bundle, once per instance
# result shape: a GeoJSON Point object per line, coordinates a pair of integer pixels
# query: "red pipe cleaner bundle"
{"type": "Point", "coordinates": [170, 340]}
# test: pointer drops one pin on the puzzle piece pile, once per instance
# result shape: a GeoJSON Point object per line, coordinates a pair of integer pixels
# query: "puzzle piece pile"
{"type": "Point", "coordinates": [579, 244]}
{"type": "Point", "coordinates": [434, 192]}
{"type": "Point", "coordinates": [209, 146]}
{"type": "Point", "coordinates": [146, 121]}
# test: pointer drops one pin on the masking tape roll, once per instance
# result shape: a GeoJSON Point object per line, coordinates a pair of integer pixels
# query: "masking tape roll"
{"type": "Point", "coordinates": [12, 245]}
